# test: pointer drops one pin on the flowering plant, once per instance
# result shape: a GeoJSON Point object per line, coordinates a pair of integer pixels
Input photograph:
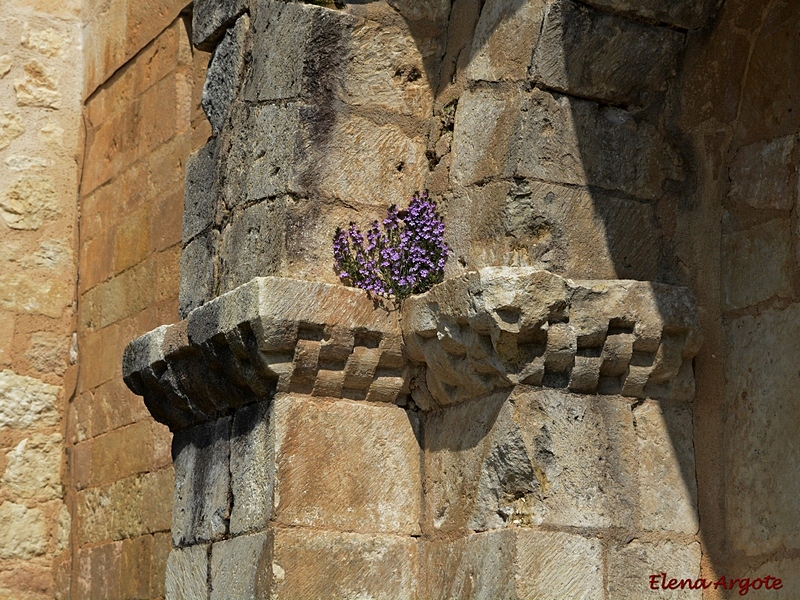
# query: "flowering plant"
{"type": "Point", "coordinates": [406, 258]}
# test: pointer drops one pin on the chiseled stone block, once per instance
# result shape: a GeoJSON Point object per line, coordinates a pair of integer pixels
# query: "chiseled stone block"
{"type": "Point", "coordinates": [224, 73]}
{"type": "Point", "coordinates": [201, 508]}
{"type": "Point", "coordinates": [311, 563]}
{"type": "Point", "coordinates": [211, 17]}
{"type": "Point", "coordinates": [200, 191]}
{"type": "Point", "coordinates": [187, 573]}
{"type": "Point", "coordinates": [761, 174]}
{"type": "Point", "coordinates": [240, 568]}
{"type": "Point", "coordinates": [631, 565]}
{"type": "Point", "coordinates": [687, 14]}
{"type": "Point", "coordinates": [346, 465]}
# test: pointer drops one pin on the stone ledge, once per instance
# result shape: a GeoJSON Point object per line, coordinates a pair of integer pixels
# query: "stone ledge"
{"type": "Point", "coordinates": [267, 336]}
{"type": "Point", "coordinates": [491, 330]}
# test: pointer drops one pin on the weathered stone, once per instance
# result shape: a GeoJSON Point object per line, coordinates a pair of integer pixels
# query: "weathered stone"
{"type": "Point", "coordinates": [559, 139]}
{"type": "Point", "coordinates": [64, 528]}
{"type": "Point", "coordinates": [630, 566]}
{"type": "Point", "coordinates": [157, 494]}
{"type": "Point", "coordinates": [135, 567]}
{"type": "Point", "coordinates": [757, 264]}
{"type": "Point", "coordinates": [26, 402]}
{"type": "Point", "coordinates": [201, 509]}
{"type": "Point", "coordinates": [504, 40]}
{"type": "Point", "coordinates": [39, 87]}
{"type": "Point", "coordinates": [5, 65]}
{"type": "Point", "coordinates": [667, 484]}
{"type": "Point", "coordinates": [187, 573]}
{"type": "Point", "coordinates": [11, 127]}
{"type": "Point", "coordinates": [47, 352]}
{"type": "Point", "coordinates": [252, 469]}
{"type": "Point", "coordinates": [198, 272]}
{"type": "Point", "coordinates": [477, 567]}
{"type": "Point", "coordinates": [33, 468]}
{"type": "Point", "coordinates": [94, 515]}
{"type": "Point", "coordinates": [557, 564]}
{"type": "Point", "coordinates": [763, 175]}
{"type": "Point", "coordinates": [311, 563]}
{"type": "Point", "coordinates": [44, 41]}
{"type": "Point", "coordinates": [761, 391]}
{"type": "Point", "coordinates": [18, 162]}
{"type": "Point", "coordinates": [688, 14]}
{"type": "Point", "coordinates": [224, 73]}
{"type": "Point", "coordinates": [241, 566]}
{"type": "Point", "coordinates": [211, 17]}
{"type": "Point", "coordinates": [28, 202]}
{"type": "Point", "coordinates": [23, 531]}
{"type": "Point", "coordinates": [376, 485]}
{"type": "Point", "coordinates": [590, 54]}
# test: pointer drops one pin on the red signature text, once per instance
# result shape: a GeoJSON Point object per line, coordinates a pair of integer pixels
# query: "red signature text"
{"type": "Point", "coordinates": [659, 581]}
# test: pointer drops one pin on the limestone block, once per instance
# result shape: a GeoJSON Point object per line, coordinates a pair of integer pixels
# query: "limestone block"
{"type": "Point", "coordinates": [26, 402]}
{"type": "Point", "coordinates": [38, 87]}
{"type": "Point", "coordinates": [504, 40]}
{"type": "Point", "coordinates": [591, 54]}
{"type": "Point", "coordinates": [23, 531]}
{"type": "Point", "coordinates": [28, 202]}
{"type": "Point", "coordinates": [757, 264]}
{"type": "Point", "coordinates": [11, 127]}
{"type": "Point", "coordinates": [240, 567]}
{"type": "Point", "coordinates": [667, 484]}
{"type": "Point", "coordinates": [33, 468]}
{"type": "Point", "coordinates": [200, 191]}
{"type": "Point", "coordinates": [252, 468]}
{"type": "Point", "coordinates": [477, 567]}
{"type": "Point", "coordinates": [763, 175]}
{"type": "Point", "coordinates": [225, 72]}
{"type": "Point", "coordinates": [312, 563]}
{"type": "Point", "coordinates": [211, 17]}
{"type": "Point", "coordinates": [687, 14]}
{"type": "Point", "coordinates": [299, 51]}
{"type": "Point", "coordinates": [555, 138]}
{"type": "Point", "coordinates": [201, 508]}
{"type": "Point", "coordinates": [761, 391]}
{"type": "Point", "coordinates": [47, 352]}
{"type": "Point", "coordinates": [198, 272]}
{"type": "Point", "coordinates": [375, 486]}
{"type": "Point", "coordinates": [187, 573]}
{"type": "Point", "coordinates": [18, 162]}
{"type": "Point", "coordinates": [630, 566]}
{"type": "Point", "coordinates": [553, 564]}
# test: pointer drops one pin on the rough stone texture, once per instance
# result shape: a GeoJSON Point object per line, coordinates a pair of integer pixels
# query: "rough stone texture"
{"type": "Point", "coordinates": [252, 467]}
{"type": "Point", "coordinates": [200, 191]}
{"type": "Point", "coordinates": [201, 508]}
{"type": "Point", "coordinates": [252, 244]}
{"type": "Point", "coordinates": [764, 174]}
{"type": "Point", "coordinates": [23, 531]}
{"type": "Point", "coordinates": [26, 402]}
{"type": "Point", "coordinates": [211, 17]}
{"type": "Point", "coordinates": [556, 138]}
{"type": "Point", "coordinates": [225, 72]}
{"type": "Point", "coordinates": [38, 87]}
{"type": "Point", "coordinates": [187, 572]}
{"type": "Point", "coordinates": [33, 468]}
{"type": "Point", "coordinates": [309, 563]}
{"type": "Point", "coordinates": [630, 566]}
{"type": "Point", "coordinates": [540, 457]}
{"type": "Point", "coordinates": [492, 329]}
{"type": "Point", "coordinates": [198, 272]}
{"type": "Point", "coordinates": [375, 486]}
{"type": "Point", "coordinates": [757, 264]}
{"type": "Point", "coordinates": [688, 14]}
{"type": "Point", "coordinates": [28, 203]}
{"type": "Point", "coordinates": [505, 37]}
{"type": "Point", "coordinates": [240, 567]}
{"type": "Point", "coordinates": [761, 388]}
{"type": "Point", "coordinates": [629, 59]}
{"type": "Point", "coordinates": [11, 127]}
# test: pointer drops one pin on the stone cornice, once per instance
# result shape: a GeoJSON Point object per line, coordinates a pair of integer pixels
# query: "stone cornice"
{"type": "Point", "coordinates": [473, 335]}
{"type": "Point", "coordinates": [502, 326]}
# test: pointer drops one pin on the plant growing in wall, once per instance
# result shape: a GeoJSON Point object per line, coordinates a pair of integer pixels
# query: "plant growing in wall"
{"type": "Point", "coordinates": [404, 254]}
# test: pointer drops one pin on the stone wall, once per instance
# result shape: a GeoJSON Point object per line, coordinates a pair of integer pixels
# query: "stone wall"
{"type": "Point", "coordinates": [739, 107]}
{"type": "Point", "coordinates": [39, 169]}
{"type": "Point", "coordinates": [142, 121]}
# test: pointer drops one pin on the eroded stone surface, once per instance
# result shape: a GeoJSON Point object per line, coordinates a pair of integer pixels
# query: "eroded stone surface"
{"type": "Point", "coordinates": [33, 468]}
{"type": "Point", "coordinates": [29, 202]}
{"type": "Point", "coordinates": [252, 467]}
{"type": "Point", "coordinates": [240, 567]}
{"type": "Point", "coordinates": [26, 402]}
{"type": "Point", "coordinates": [187, 573]}
{"type": "Point", "coordinates": [23, 531]}
{"type": "Point", "coordinates": [224, 73]}
{"type": "Point", "coordinates": [630, 566]}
